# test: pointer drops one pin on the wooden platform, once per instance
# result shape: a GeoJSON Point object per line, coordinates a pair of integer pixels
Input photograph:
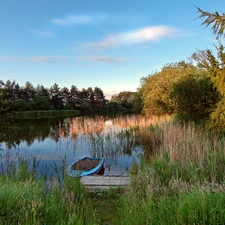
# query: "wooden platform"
{"type": "Point", "coordinates": [99, 183]}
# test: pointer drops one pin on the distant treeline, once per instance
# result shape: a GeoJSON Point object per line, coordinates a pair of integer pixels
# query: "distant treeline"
{"type": "Point", "coordinates": [16, 98]}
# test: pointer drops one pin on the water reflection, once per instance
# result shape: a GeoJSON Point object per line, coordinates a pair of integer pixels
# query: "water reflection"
{"type": "Point", "coordinates": [52, 140]}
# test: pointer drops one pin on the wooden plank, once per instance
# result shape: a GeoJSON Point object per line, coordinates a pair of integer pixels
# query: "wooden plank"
{"type": "Point", "coordinates": [94, 183]}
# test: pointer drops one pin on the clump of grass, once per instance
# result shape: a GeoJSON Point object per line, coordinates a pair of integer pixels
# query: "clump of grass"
{"type": "Point", "coordinates": [183, 183]}
{"type": "Point", "coordinates": [157, 196]}
{"type": "Point", "coordinates": [26, 199]}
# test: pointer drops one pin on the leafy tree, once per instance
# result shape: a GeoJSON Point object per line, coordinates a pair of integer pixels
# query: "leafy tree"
{"type": "Point", "coordinates": [85, 107]}
{"type": "Point", "coordinates": [28, 92]}
{"type": "Point", "coordinates": [7, 126]}
{"type": "Point", "coordinates": [90, 96]}
{"type": "Point", "coordinates": [99, 98]}
{"type": "Point", "coordinates": [41, 102]}
{"type": "Point", "coordinates": [73, 100]}
{"type": "Point", "coordinates": [40, 89]}
{"type": "Point", "coordinates": [155, 90]}
{"type": "Point", "coordinates": [4, 118]}
{"type": "Point", "coordinates": [215, 65]}
{"type": "Point", "coordinates": [195, 96]}
{"type": "Point", "coordinates": [137, 103]}
{"type": "Point", "coordinates": [55, 96]}
{"type": "Point", "coordinates": [8, 90]}
{"type": "Point", "coordinates": [130, 101]}
{"type": "Point", "coordinates": [65, 97]}
{"type": "Point", "coordinates": [124, 98]}
{"type": "Point", "coordinates": [19, 104]}
{"type": "Point", "coordinates": [115, 108]}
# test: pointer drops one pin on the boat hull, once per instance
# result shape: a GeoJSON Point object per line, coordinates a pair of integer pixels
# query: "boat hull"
{"type": "Point", "coordinates": [99, 169]}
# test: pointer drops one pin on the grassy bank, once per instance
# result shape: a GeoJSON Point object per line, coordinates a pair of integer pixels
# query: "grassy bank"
{"type": "Point", "coordinates": [26, 199]}
{"type": "Point", "coordinates": [45, 113]}
{"type": "Point", "coordinates": [183, 183]}
{"type": "Point", "coordinates": [180, 180]}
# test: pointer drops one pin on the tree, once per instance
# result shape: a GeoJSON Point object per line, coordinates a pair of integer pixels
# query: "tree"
{"type": "Point", "coordinates": [55, 96]}
{"type": "Point", "coordinates": [125, 98]}
{"type": "Point", "coordinates": [215, 65]}
{"type": "Point", "coordinates": [19, 104]}
{"type": "Point", "coordinates": [28, 92]}
{"type": "Point", "coordinates": [41, 102]}
{"type": "Point", "coordinates": [137, 104]}
{"type": "Point", "coordinates": [6, 125]}
{"type": "Point", "coordinates": [65, 97]}
{"type": "Point", "coordinates": [155, 90]}
{"type": "Point", "coordinates": [8, 90]}
{"type": "Point", "coordinates": [217, 21]}
{"type": "Point", "coordinates": [74, 97]}
{"type": "Point", "coordinates": [195, 96]}
{"type": "Point", "coordinates": [99, 98]}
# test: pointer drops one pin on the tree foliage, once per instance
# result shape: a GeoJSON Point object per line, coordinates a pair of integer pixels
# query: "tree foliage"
{"type": "Point", "coordinates": [128, 101]}
{"type": "Point", "coordinates": [156, 88]}
{"type": "Point", "coordinates": [195, 96]}
{"type": "Point", "coordinates": [27, 97]}
{"type": "Point", "coordinates": [215, 19]}
{"type": "Point", "coordinates": [215, 65]}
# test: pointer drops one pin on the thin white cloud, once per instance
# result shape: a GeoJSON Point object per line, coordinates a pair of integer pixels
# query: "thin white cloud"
{"type": "Point", "coordinates": [34, 59]}
{"type": "Point", "coordinates": [72, 20]}
{"type": "Point", "coordinates": [42, 33]}
{"type": "Point", "coordinates": [105, 59]}
{"type": "Point", "coordinates": [82, 65]}
{"type": "Point", "coordinates": [146, 34]}
{"type": "Point", "coordinates": [49, 58]}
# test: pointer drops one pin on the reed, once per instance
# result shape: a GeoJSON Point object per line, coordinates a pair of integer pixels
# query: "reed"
{"type": "Point", "coordinates": [183, 183]}
{"type": "Point", "coordinates": [179, 180]}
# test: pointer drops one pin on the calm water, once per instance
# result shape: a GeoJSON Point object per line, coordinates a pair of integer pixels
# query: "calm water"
{"type": "Point", "coordinates": [69, 139]}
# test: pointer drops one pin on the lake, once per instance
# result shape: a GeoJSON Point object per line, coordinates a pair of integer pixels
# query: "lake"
{"type": "Point", "coordinates": [57, 140]}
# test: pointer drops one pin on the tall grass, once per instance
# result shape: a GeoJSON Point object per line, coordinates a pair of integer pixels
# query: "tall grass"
{"type": "Point", "coordinates": [184, 181]}
{"type": "Point", "coordinates": [180, 179]}
{"type": "Point", "coordinates": [26, 199]}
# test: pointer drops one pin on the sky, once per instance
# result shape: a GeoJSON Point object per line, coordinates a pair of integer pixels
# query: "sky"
{"type": "Point", "coordinates": [98, 43]}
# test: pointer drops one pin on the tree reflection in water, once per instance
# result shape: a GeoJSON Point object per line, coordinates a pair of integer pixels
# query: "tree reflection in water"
{"type": "Point", "coordinates": [54, 139]}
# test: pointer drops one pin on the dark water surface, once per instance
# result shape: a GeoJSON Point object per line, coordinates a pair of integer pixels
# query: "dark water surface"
{"type": "Point", "coordinates": [68, 139]}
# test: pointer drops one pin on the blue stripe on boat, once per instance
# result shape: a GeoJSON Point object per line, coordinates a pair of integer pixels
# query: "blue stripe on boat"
{"type": "Point", "coordinates": [81, 173]}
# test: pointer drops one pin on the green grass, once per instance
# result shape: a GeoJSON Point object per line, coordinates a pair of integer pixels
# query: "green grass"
{"type": "Point", "coordinates": [184, 183]}
{"type": "Point", "coordinates": [158, 197]}
{"type": "Point", "coordinates": [106, 205]}
{"type": "Point", "coordinates": [25, 199]}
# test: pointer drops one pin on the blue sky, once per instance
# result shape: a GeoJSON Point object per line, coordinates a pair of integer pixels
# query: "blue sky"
{"type": "Point", "coordinates": [89, 43]}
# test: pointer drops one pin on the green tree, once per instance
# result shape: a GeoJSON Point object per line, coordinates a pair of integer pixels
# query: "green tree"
{"type": "Point", "coordinates": [155, 90]}
{"type": "Point", "coordinates": [124, 98]}
{"type": "Point", "coordinates": [195, 96]}
{"type": "Point", "coordinates": [65, 97]}
{"type": "Point", "coordinates": [73, 100]}
{"type": "Point", "coordinates": [41, 102]}
{"type": "Point", "coordinates": [7, 126]}
{"type": "Point", "coordinates": [56, 97]}
{"type": "Point", "coordinates": [137, 104]}
{"type": "Point", "coordinates": [8, 90]}
{"type": "Point", "coordinates": [130, 101]}
{"type": "Point", "coordinates": [215, 65]}
{"type": "Point", "coordinates": [28, 92]}
{"type": "Point", "coordinates": [99, 98]}
{"type": "Point", "coordinates": [19, 104]}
